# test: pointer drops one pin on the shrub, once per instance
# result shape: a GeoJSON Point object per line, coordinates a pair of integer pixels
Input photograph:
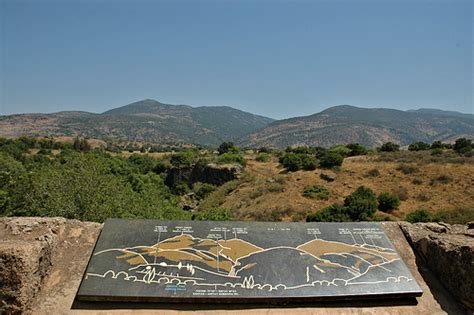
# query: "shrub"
{"type": "Point", "coordinates": [227, 147]}
{"type": "Point", "coordinates": [316, 192]}
{"type": "Point", "coordinates": [341, 150]}
{"type": "Point", "coordinates": [441, 179]}
{"type": "Point", "coordinates": [373, 172]}
{"type": "Point", "coordinates": [408, 169]}
{"type": "Point", "coordinates": [308, 162]}
{"type": "Point", "coordinates": [330, 159]}
{"type": "Point", "coordinates": [361, 204]}
{"type": "Point", "coordinates": [217, 197]}
{"type": "Point", "coordinates": [202, 190]}
{"type": "Point", "coordinates": [274, 187]}
{"type": "Point", "coordinates": [381, 218]}
{"type": "Point", "coordinates": [229, 157]}
{"type": "Point", "coordinates": [181, 188]}
{"type": "Point", "coordinates": [298, 216]}
{"type": "Point", "coordinates": [438, 145]}
{"type": "Point", "coordinates": [185, 158]}
{"type": "Point", "coordinates": [257, 192]}
{"type": "Point", "coordinates": [319, 151]}
{"type": "Point", "coordinates": [462, 145]}
{"type": "Point", "coordinates": [327, 177]}
{"type": "Point", "coordinates": [271, 214]}
{"type": "Point", "coordinates": [81, 145]}
{"type": "Point", "coordinates": [291, 161]}
{"type": "Point", "coordinates": [389, 147]}
{"type": "Point", "coordinates": [436, 152]}
{"type": "Point", "coordinates": [388, 202]}
{"type": "Point", "coordinates": [213, 214]}
{"type": "Point", "coordinates": [263, 157]}
{"type": "Point", "coordinates": [264, 150]}
{"type": "Point", "coordinates": [142, 163]}
{"type": "Point", "coordinates": [162, 166]}
{"type": "Point", "coordinates": [455, 216]}
{"type": "Point", "coordinates": [424, 196]}
{"type": "Point", "coordinates": [333, 213]}
{"type": "Point", "coordinates": [419, 215]}
{"type": "Point", "coordinates": [419, 146]}
{"type": "Point", "coordinates": [281, 179]}
{"type": "Point", "coordinates": [402, 193]}
{"type": "Point", "coordinates": [356, 149]}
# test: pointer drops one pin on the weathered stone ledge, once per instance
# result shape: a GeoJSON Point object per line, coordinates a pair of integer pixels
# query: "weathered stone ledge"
{"type": "Point", "coordinates": [448, 250]}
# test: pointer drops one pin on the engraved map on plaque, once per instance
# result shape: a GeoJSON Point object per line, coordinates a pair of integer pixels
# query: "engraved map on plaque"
{"type": "Point", "coordinates": [147, 260]}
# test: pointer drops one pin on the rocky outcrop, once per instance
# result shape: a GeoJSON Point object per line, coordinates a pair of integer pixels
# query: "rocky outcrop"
{"type": "Point", "coordinates": [448, 250]}
{"type": "Point", "coordinates": [215, 174]}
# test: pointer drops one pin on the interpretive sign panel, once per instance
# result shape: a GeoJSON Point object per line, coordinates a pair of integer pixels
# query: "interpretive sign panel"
{"type": "Point", "coordinates": [200, 261]}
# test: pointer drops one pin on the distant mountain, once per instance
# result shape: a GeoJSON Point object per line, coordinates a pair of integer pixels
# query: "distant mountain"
{"type": "Point", "coordinates": [435, 111]}
{"type": "Point", "coordinates": [155, 122]}
{"type": "Point", "coordinates": [368, 126]}
{"type": "Point", "coordinates": [144, 121]}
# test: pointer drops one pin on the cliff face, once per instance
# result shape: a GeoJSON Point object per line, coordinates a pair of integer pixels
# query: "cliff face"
{"type": "Point", "coordinates": [42, 261]}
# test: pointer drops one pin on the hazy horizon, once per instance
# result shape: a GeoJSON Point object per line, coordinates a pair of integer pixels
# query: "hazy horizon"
{"type": "Point", "coordinates": [275, 59]}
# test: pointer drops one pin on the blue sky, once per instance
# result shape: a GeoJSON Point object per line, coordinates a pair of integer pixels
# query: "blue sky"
{"type": "Point", "coordinates": [275, 58]}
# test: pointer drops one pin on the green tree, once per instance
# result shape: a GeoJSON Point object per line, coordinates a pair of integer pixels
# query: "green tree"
{"type": "Point", "coordinates": [227, 147]}
{"type": "Point", "coordinates": [388, 202]}
{"type": "Point", "coordinates": [81, 144]}
{"type": "Point", "coordinates": [330, 159]}
{"type": "Point", "coordinates": [291, 161]}
{"type": "Point", "coordinates": [308, 162]}
{"type": "Point", "coordinates": [184, 158]}
{"type": "Point", "coordinates": [14, 184]}
{"type": "Point", "coordinates": [341, 150]}
{"type": "Point", "coordinates": [301, 150]}
{"type": "Point", "coordinates": [438, 145]}
{"type": "Point", "coordinates": [389, 147]}
{"type": "Point", "coordinates": [361, 204]}
{"type": "Point", "coordinates": [419, 146]}
{"type": "Point", "coordinates": [142, 163]}
{"type": "Point", "coordinates": [356, 149]}
{"type": "Point", "coordinates": [463, 145]}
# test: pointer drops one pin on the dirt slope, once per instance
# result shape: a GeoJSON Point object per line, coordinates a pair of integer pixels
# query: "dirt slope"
{"type": "Point", "coordinates": [268, 192]}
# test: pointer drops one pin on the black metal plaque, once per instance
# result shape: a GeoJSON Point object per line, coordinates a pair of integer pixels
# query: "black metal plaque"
{"type": "Point", "coordinates": [197, 261]}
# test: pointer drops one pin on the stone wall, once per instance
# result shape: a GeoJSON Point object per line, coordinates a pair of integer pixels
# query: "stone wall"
{"type": "Point", "coordinates": [32, 249]}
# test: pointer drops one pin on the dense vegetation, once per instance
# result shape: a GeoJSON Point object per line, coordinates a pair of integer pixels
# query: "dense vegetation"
{"type": "Point", "coordinates": [43, 177]}
{"type": "Point", "coordinates": [88, 185]}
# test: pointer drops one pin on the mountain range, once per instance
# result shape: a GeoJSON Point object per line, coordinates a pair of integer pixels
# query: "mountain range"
{"type": "Point", "coordinates": [158, 123]}
{"type": "Point", "coordinates": [368, 126]}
